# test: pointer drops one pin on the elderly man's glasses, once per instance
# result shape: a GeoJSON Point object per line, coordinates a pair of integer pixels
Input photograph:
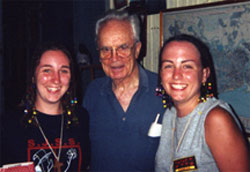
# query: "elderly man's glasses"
{"type": "Point", "coordinates": [123, 51]}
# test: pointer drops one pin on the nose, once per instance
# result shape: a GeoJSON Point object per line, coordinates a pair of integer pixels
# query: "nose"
{"type": "Point", "coordinates": [114, 55]}
{"type": "Point", "coordinates": [177, 73]}
{"type": "Point", "coordinates": [56, 77]}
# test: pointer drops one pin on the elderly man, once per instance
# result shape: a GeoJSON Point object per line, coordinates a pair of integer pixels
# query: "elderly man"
{"type": "Point", "coordinates": [122, 105]}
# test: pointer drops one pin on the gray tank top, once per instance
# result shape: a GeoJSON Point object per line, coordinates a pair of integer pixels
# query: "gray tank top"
{"type": "Point", "coordinates": [193, 143]}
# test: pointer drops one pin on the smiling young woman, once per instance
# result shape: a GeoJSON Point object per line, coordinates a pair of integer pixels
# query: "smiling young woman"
{"type": "Point", "coordinates": [197, 127]}
{"type": "Point", "coordinates": [52, 78]}
{"type": "Point", "coordinates": [53, 127]}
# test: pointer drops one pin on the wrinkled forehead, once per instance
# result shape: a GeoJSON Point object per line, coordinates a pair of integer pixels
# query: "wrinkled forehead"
{"type": "Point", "coordinates": [115, 29]}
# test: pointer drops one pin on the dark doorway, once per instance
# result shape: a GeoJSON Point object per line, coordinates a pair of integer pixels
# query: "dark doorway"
{"type": "Point", "coordinates": [25, 25]}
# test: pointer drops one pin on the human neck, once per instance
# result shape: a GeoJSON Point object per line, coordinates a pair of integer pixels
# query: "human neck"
{"type": "Point", "coordinates": [124, 90]}
{"type": "Point", "coordinates": [125, 85]}
{"type": "Point", "coordinates": [183, 109]}
{"type": "Point", "coordinates": [50, 109]}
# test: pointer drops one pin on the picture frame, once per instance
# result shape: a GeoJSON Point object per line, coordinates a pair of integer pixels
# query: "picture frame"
{"type": "Point", "coordinates": [120, 3]}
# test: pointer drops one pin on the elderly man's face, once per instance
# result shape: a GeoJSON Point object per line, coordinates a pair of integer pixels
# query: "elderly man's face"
{"type": "Point", "coordinates": [118, 50]}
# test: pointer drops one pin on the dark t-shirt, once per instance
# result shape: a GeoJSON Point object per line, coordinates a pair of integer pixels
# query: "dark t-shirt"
{"type": "Point", "coordinates": [21, 144]}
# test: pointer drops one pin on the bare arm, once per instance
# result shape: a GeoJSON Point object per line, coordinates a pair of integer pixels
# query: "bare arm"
{"type": "Point", "coordinates": [226, 141]}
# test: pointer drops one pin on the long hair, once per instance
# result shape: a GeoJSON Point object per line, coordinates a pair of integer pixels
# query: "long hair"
{"type": "Point", "coordinates": [68, 100]}
{"type": "Point", "coordinates": [206, 61]}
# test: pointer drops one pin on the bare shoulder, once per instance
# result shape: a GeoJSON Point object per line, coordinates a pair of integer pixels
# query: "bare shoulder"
{"type": "Point", "coordinates": [226, 142]}
{"type": "Point", "coordinates": [219, 123]}
{"type": "Point", "coordinates": [219, 117]}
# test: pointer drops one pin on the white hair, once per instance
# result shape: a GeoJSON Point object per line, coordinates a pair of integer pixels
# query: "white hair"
{"type": "Point", "coordinates": [120, 16]}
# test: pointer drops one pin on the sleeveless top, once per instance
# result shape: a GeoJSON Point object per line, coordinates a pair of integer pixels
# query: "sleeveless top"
{"type": "Point", "coordinates": [193, 142]}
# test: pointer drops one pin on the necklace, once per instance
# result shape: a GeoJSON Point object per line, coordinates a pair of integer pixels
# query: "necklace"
{"type": "Point", "coordinates": [57, 163]}
{"type": "Point", "coordinates": [181, 138]}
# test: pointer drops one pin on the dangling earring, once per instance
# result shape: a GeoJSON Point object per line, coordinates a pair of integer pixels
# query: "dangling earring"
{"type": "Point", "coordinates": [69, 114]}
{"type": "Point", "coordinates": [166, 100]}
{"type": "Point", "coordinates": [71, 118]}
{"type": "Point", "coordinates": [74, 101]}
{"type": "Point", "coordinates": [206, 92]}
{"type": "Point", "coordinates": [30, 114]}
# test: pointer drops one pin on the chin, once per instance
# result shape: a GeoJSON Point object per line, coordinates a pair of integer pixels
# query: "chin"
{"type": "Point", "coordinates": [54, 100]}
{"type": "Point", "coordinates": [178, 99]}
{"type": "Point", "coordinates": [117, 77]}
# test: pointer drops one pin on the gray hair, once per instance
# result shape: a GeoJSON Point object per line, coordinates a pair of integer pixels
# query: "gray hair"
{"type": "Point", "coordinates": [120, 16]}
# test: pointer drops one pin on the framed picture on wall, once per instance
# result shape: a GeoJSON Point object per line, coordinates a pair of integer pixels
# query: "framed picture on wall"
{"type": "Point", "coordinates": [120, 3]}
{"type": "Point", "coordinates": [225, 29]}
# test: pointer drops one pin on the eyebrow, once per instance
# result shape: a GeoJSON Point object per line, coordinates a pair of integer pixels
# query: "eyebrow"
{"type": "Point", "coordinates": [116, 47]}
{"type": "Point", "coordinates": [166, 61]}
{"type": "Point", "coordinates": [64, 66]}
{"type": "Point", "coordinates": [184, 61]}
{"type": "Point", "coordinates": [46, 65]}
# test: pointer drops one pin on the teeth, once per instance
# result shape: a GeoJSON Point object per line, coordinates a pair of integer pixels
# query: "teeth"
{"type": "Point", "coordinates": [53, 89]}
{"type": "Point", "coordinates": [178, 86]}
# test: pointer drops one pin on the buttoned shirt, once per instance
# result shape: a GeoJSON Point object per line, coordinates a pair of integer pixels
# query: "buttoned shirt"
{"type": "Point", "coordinates": [119, 140]}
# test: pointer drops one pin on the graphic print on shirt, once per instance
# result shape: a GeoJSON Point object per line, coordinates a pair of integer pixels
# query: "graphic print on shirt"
{"type": "Point", "coordinates": [72, 154]}
{"type": "Point", "coordinates": [44, 159]}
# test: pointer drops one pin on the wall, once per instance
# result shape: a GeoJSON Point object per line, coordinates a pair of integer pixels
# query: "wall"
{"type": "Point", "coordinates": [1, 75]}
{"type": "Point", "coordinates": [153, 43]}
{"type": "Point", "coordinates": [1, 61]}
{"type": "Point", "coordinates": [86, 13]}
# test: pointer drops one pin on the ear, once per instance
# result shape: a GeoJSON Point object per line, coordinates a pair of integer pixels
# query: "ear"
{"type": "Point", "coordinates": [33, 80]}
{"type": "Point", "coordinates": [205, 74]}
{"type": "Point", "coordinates": [137, 49]}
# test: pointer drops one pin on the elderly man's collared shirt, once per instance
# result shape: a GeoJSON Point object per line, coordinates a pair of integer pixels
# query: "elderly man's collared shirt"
{"type": "Point", "coordinates": [119, 139]}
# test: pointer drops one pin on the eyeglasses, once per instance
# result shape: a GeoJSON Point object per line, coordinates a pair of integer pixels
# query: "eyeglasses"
{"type": "Point", "coordinates": [123, 51]}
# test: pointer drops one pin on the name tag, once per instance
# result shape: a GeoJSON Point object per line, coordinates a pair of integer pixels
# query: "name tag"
{"type": "Point", "coordinates": [185, 164]}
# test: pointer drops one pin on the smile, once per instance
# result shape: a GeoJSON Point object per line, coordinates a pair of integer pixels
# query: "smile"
{"type": "Point", "coordinates": [53, 89]}
{"type": "Point", "coordinates": [117, 66]}
{"type": "Point", "coordinates": [179, 86]}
